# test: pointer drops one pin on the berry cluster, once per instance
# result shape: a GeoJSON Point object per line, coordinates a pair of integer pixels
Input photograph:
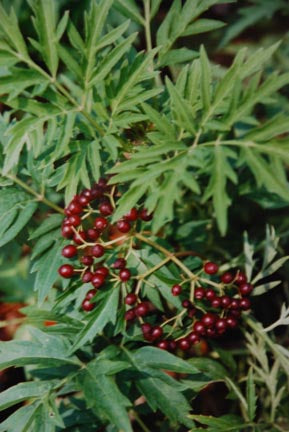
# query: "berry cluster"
{"type": "Point", "coordinates": [211, 303]}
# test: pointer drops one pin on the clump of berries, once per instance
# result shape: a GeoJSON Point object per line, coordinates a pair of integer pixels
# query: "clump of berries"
{"type": "Point", "coordinates": [210, 303]}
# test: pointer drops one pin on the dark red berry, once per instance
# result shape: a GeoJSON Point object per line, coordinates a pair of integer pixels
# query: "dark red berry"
{"type": "Point", "coordinates": [93, 234]}
{"type": "Point", "coordinates": [96, 192]}
{"type": "Point", "coordinates": [87, 260]}
{"type": "Point", "coordinates": [232, 322]}
{"type": "Point", "coordinates": [199, 293]}
{"type": "Point", "coordinates": [120, 263]}
{"type": "Point", "coordinates": [74, 208]}
{"type": "Point", "coordinates": [100, 223]}
{"type": "Point", "coordinates": [199, 328]}
{"type": "Point", "coordinates": [97, 250]}
{"type": "Point", "coordinates": [235, 313]}
{"type": "Point", "coordinates": [105, 209]}
{"type": "Point", "coordinates": [245, 289]}
{"type": "Point", "coordinates": [132, 215]}
{"type": "Point", "coordinates": [131, 299]}
{"type": "Point", "coordinates": [69, 251]}
{"type": "Point", "coordinates": [221, 325]}
{"type": "Point", "coordinates": [184, 344]}
{"type": "Point", "coordinates": [225, 301]}
{"type": "Point", "coordinates": [87, 306]}
{"type": "Point", "coordinates": [163, 345]}
{"type": "Point", "coordinates": [176, 290]}
{"type": "Point", "coordinates": [87, 194]}
{"type": "Point", "coordinates": [156, 332]}
{"type": "Point", "coordinates": [102, 270]}
{"type": "Point", "coordinates": [102, 182]}
{"type": "Point", "coordinates": [194, 338]}
{"type": "Point", "coordinates": [67, 231]}
{"type": "Point", "coordinates": [210, 294]}
{"type": "Point", "coordinates": [216, 302]}
{"type": "Point", "coordinates": [240, 278]}
{"type": "Point", "coordinates": [124, 275]}
{"type": "Point", "coordinates": [129, 315]}
{"type": "Point", "coordinates": [186, 303]}
{"type": "Point", "coordinates": [97, 280]}
{"type": "Point", "coordinates": [145, 216]}
{"type": "Point", "coordinates": [208, 319]}
{"type": "Point", "coordinates": [83, 201]}
{"type": "Point", "coordinates": [227, 278]}
{"type": "Point", "coordinates": [80, 237]}
{"type": "Point", "coordinates": [123, 226]}
{"type": "Point", "coordinates": [141, 309]}
{"type": "Point", "coordinates": [234, 304]}
{"type": "Point", "coordinates": [66, 271]}
{"type": "Point", "coordinates": [245, 304]}
{"type": "Point", "coordinates": [146, 328]}
{"type": "Point", "coordinates": [87, 277]}
{"type": "Point", "coordinates": [211, 268]}
{"type": "Point", "coordinates": [91, 294]}
{"type": "Point", "coordinates": [172, 345]}
{"type": "Point", "coordinates": [211, 332]}
{"type": "Point", "coordinates": [191, 311]}
{"type": "Point", "coordinates": [74, 220]}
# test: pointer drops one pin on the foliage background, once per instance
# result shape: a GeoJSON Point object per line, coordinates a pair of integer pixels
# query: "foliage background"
{"type": "Point", "coordinates": [206, 131]}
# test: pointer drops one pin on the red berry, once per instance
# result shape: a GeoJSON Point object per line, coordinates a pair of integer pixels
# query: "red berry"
{"type": "Point", "coordinates": [163, 345]}
{"type": "Point", "coordinates": [96, 192]}
{"type": "Point", "coordinates": [216, 302]}
{"type": "Point", "coordinates": [145, 216]}
{"type": "Point", "coordinates": [156, 332]}
{"type": "Point", "coordinates": [100, 223]}
{"type": "Point", "coordinates": [97, 280]}
{"type": "Point", "coordinates": [66, 271]}
{"type": "Point", "coordinates": [186, 303]}
{"type": "Point", "coordinates": [67, 231]}
{"type": "Point", "coordinates": [211, 268]}
{"type": "Point", "coordinates": [129, 315]}
{"type": "Point", "coordinates": [97, 250]}
{"type": "Point", "coordinates": [123, 226]}
{"type": "Point", "coordinates": [172, 345]}
{"type": "Point", "coordinates": [93, 234]}
{"type": "Point", "coordinates": [184, 344]}
{"type": "Point", "coordinates": [210, 294]}
{"type": "Point", "coordinates": [141, 309]}
{"type": "Point", "coordinates": [124, 275]}
{"type": "Point", "coordinates": [211, 332]}
{"type": "Point", "coordinates": [245, 289]}
{"type": "Point", "coordinates": [74, 208]}
{"type": "Point", "coordinates": [87, 277]}
{"type": "Point", "coordinates": [90, 294]}
{"type": "Point", "coordinates": [83, 201]}
{"type": "Point", "coordinates": [208, 319]}
{"type": "Point", "coordinates": [69, 251]}
{"type": "Point", "coordinates": [102, 270]}
{"type": "Point", "coordinates": [130, 299]}
{"type": "Point", "coordinates": [234, 304]}
{"type": "Point", "coordinates": [132, 215]}
{"type": "Point", "coordinates": [120, 263]}
{"type": "Point", "coordinates": [232, 322]}
{"type": "Point", "coordinates": [191, 311]}
{"type": "Point", "coordinates": [221, 325]}
{"type": "Point", "coordinates": [87, 260]}
{"type": "Point", "coordinates": [87, 306]}
{"type": "Point", "coordinates": [102, 183]}
{"type": "Point", "coordinates": [199, 328]}
{"type": "Point", "coordinates": [176, 290]}
{"type": "Point", "coordinates": [245, 304]}
{"type": "Point", "coordinates": [194, 338]}
{"type": "Point", "coordinates": [86, 193]}
{"type": "Point", "coordinates": [80, 237]}
{"type": "Point", "coordinates": [146, 328]}
{"type": "Point", "coordinates": [225, 301]}
{"type": "Point", "coordinates": [227, 278]}
{"type": "Point", "coordinates": [74, 220]}
{"type": "Point", "coordinates": [199, 293]}
{"type": "Point", "coordinates": [235, 313]}
{"type": "Point", "coordinates": [240, 278]}
{"type": "Point", "coordinates": [105, 209]}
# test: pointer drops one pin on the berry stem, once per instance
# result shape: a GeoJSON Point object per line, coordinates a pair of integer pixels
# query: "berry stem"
{"type": "Point", "coordinates": [167, 253]}
{"type": "Point", "coordinates": [153, 269]}
{"type": "Point", "coordinates": [39, 197]}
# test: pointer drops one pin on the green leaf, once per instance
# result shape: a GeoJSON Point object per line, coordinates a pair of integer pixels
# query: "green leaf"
{"type": "Point", "coordinates": [205, 79]}
{"type": "Point", "coordinates": [129, 199]}
{"type": "Point", "coordinates": [10, 28]}
{"type": "Point", "coordinates": [130, 10]}
{"type": "Point", "coordinates": [103, 396]}
{"type": "Point", "coordinates": [53, 221]}
{"type": "Point", "coordinates": [251, 396]}
{"type": "Point", "coordinates": [44, 349]}
{"type": "Point", "coordinates": [103, 314]}
{"type": "Point", "coordinates": [21, 419]}
{"type": "Point", "coordinates": [24, 391]}
{"type": "Point", "coordinates": [176, 56]}
{"type": "Point", "coordinates": [19, 80]}
{"type": "Point", "coordinates": [184, 112]}
{"type": "Point", "coordinates": [202, 25]}
{"type": "Point", "coordinates": [17, 208]}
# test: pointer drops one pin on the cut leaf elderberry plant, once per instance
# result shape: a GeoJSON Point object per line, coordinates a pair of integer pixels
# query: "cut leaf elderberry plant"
{"type": "Point", "coordinates": [209, 305]}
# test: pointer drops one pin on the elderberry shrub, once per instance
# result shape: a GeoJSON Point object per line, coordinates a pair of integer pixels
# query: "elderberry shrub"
{"type": "Point", "coordinates": [211, 302]}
